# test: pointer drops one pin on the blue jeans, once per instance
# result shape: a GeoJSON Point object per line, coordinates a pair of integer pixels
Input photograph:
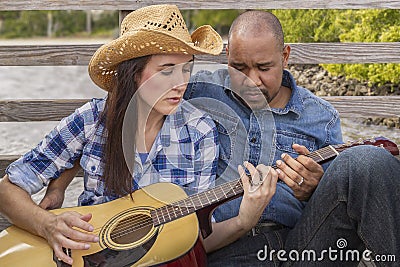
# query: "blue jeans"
{"type": "Point", "coordinates": [355, 209]}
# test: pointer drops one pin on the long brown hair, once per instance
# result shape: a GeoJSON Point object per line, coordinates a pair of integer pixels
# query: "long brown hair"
{"type": "Point", "coordinates": [117, 176]}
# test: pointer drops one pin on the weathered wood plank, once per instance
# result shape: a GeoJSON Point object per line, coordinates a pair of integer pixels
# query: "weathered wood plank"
{"type": "Point", "coordinates": [366, 106]}
{"type": "Point", "coordinates": [302, 53]}
{"type": "Point", "coordinates": [37, 110]}
{"type": "Point", "coordinates": [6, 160]}
{"type": "Point", "coordinates": [199, 4]}
{"type": "Point", "coordinates": [46, 55]}
{"type": "Point", "coordinates": [55, 110]}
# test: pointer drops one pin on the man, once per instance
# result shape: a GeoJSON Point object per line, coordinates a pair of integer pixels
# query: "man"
{"type": "Point", "coordinates": [263, 117]}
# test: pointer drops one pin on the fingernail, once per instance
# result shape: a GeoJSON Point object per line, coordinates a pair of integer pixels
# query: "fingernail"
{"type": "Point", "coordinates": [91, 228]}
{"type": "Point", "coordinates": [278, 171]}
{"type": "Point", "coordinates": [96, 239]}
{"type": "Point", "coordinates": [87, 246]}
{"type": "Point", "coordinates": [278, 162]}
{"type": "Point", "coordinates": [283, 155]}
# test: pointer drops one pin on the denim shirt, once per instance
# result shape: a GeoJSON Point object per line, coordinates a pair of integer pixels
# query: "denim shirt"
{"type": "Point", "coordinates": [262, 136]}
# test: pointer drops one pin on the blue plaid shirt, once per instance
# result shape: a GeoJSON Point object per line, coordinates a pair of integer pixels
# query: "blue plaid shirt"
{"type": "Point", "coordinates": [185, 152]}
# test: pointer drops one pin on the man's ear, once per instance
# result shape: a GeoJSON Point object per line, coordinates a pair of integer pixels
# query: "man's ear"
{"type": "Point", "coordinates": [285, 55]}
{"type": "Point", "coordinates": [227, 50]}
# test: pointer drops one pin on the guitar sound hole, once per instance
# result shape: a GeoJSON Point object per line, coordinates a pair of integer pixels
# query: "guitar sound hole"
{"type": "Point", "coordinates": [131, 229]}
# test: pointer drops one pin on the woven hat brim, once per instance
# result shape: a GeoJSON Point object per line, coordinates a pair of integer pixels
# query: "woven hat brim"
{"type": "Point", "coordinates": [103, 64]}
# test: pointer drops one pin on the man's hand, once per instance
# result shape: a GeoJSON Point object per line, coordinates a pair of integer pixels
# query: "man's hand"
{"type": "Point", "coordinates": [302, 175]}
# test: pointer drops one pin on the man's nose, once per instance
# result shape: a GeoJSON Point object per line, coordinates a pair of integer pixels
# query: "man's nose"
{"type": "Point", "coordinates": [252, 79]}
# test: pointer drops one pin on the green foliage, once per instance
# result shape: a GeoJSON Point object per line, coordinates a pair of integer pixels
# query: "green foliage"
{"type": "Point", "coordinates": [106, 21]}
{"type": "Point", "coordinates": [304, 26]}
{"type": "Point", "coordinates": [220, 20]}
{"type": "Point", "coordinates": [299, 26]}
{"type": "Point", "coordinates": [369, 26]}
{"type": "Point", "coordinates": [24, 24]}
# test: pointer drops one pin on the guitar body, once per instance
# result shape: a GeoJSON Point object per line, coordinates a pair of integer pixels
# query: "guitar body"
{"type": "Point", "coordinates": [127, 235]}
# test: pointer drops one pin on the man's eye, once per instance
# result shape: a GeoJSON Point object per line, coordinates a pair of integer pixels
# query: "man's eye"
{"type": "Point", "coordinates": [264, 69]}
{"type": "Point", "coordinates": [238, 68]}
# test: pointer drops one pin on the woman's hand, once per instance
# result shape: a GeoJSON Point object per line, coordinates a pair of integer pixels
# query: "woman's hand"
{"type": "Point", "coordinates": [258, 191]}
{"type": "Point", "coordinates": [302, 174]}
{"type": "Point", "coordinates": [64, 231]}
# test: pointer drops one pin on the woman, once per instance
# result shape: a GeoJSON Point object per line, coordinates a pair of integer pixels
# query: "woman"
{"type": "Point", "coordinates": [141, 130]}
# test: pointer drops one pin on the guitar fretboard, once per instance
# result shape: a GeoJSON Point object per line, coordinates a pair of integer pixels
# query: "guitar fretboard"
{"type": "Point", "coordinates": [219, 193]}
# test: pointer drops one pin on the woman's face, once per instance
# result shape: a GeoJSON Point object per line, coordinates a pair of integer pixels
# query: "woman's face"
{"type": "Point", "coordinates": [163, 81]}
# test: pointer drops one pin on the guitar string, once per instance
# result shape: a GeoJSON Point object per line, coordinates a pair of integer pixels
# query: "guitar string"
{"type": "Point", "coordinates": [145, 220]}
{"type": "Point", "coordinates": [126, 227]}
{"type": "Point", "coordinates": [327, 152]}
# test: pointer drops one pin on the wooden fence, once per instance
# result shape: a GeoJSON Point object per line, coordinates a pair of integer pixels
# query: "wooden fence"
{"type": "Point", "coordinates": [302, 53]}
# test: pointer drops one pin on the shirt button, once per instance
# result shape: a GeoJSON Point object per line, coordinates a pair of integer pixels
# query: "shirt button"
{"type": "Point", "coordinates": [253, 140]}
{"type": "Point", "coordinates": [93, 168]}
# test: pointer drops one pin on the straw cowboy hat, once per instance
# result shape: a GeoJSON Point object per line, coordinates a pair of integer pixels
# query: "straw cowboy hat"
{"type": "Point", "coordinates": [155, 29]}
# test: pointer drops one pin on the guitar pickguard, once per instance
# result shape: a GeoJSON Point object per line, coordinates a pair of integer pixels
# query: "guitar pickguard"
{"type": "Point", "coordinates": [119, 258]}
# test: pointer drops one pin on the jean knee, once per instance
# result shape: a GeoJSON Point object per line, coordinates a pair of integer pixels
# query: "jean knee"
{"type": "Point", "coordinates": [367, 156]}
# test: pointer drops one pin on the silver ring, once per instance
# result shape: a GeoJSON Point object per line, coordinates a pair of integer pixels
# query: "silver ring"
{"type": "Point", "coordinates": [301, 181]}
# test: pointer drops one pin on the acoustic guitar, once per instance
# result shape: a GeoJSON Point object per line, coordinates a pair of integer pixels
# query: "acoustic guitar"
{"type": "Point", "coordinates": [158, 225]}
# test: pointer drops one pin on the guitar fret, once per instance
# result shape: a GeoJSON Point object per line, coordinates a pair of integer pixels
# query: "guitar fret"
{"type": "Point", "coordinates": [334, 150]}
{"type": "Point", "coordinates": [169, 216]}
{"type": "Point", "coordinates": [155, 212]}
{"type": "Point", "coordinates": [215, 195]}
{"type": "Point", "coordinates": [173, 209]}
{"type": "Point", "coordinates": [316, 152]}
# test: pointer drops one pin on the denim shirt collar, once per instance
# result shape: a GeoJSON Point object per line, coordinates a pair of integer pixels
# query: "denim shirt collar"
{"type": "Point", "coordinates": [295, 103]}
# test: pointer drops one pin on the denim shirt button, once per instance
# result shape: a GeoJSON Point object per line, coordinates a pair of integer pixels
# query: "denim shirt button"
{"type": "Point", "coordinates": [253, 140]}
{"type": "Point", "coordinates": [93, 168]}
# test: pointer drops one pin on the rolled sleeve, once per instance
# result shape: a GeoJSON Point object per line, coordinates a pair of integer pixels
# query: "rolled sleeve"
{"type": "Point", "coordinates": [21, 175]}
{"type": "Point", "coordinates": [56, 152]}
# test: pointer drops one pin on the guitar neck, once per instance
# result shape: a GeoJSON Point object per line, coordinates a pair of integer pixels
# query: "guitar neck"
{"type": "Point", "coordinates": [229, 190]}
{"type": "Point", "coordinates": [219, 193]}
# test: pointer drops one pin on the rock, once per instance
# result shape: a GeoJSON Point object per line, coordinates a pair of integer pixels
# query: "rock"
{"type": "Point", "coordinates": [321, 83]}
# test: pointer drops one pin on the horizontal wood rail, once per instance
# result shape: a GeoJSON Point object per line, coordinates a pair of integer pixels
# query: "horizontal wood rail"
{"type": "Point", "coordinates": [199, 4]}
{"type": "Point", "coordinates": [56, 109]}
{"type": "Point", "coordinates": [301, 53]}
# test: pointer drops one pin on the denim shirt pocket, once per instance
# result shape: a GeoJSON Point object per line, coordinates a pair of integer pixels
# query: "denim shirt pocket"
{"type": "Point", "coordinates": [285, 140]}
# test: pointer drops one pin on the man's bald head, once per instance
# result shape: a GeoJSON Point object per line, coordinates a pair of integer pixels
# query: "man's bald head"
{"type": "Point", "coordinates": [255, 23]}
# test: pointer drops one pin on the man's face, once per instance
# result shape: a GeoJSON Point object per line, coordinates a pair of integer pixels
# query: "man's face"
{"type": "Point", "coordinates": [261, 61]}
